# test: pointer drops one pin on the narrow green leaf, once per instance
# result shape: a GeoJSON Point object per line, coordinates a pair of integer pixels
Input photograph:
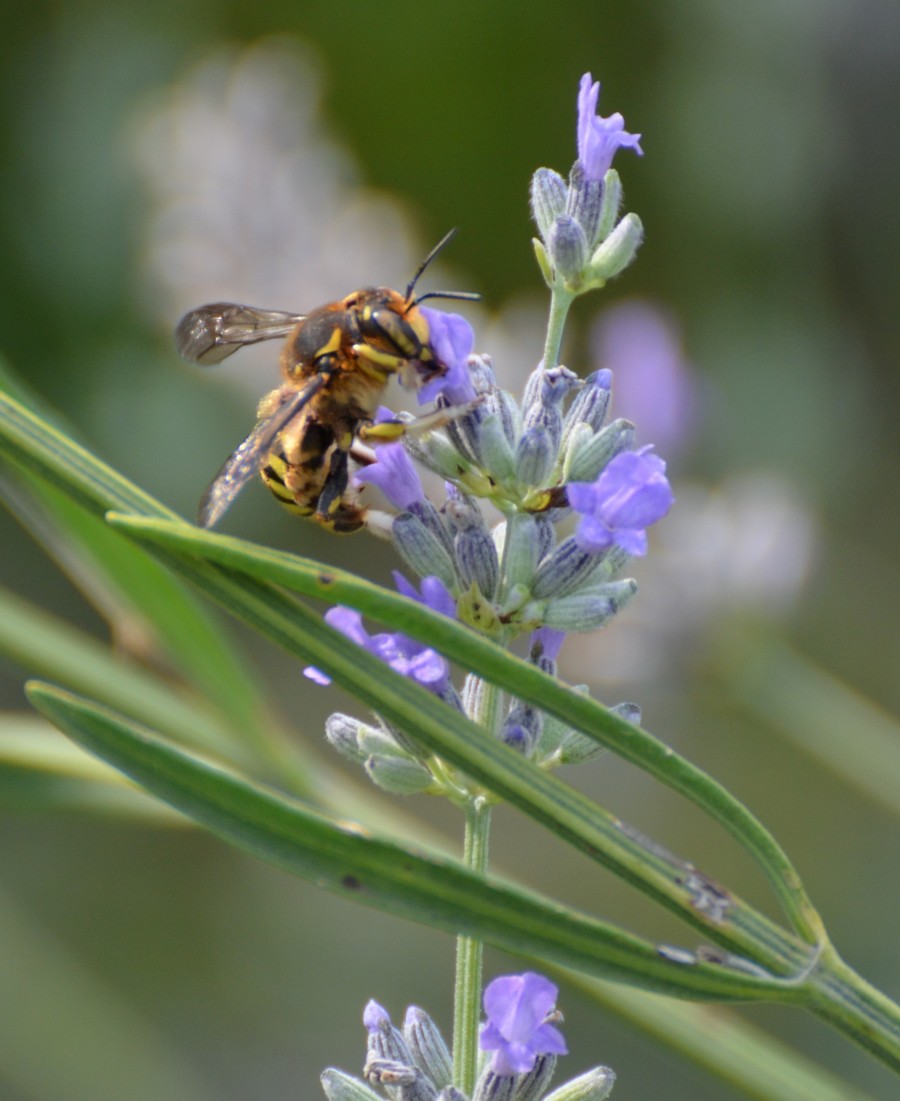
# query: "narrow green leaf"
{"type": "Point", "coordinates": [501, 668]}
{"type": "Point", "coordinates": [48, 646]}
{"type": "Point", "coordinates": [351, 862]}
{"type": "Point", "coordinates": [504, 772]}
{"type": "Point", "coordinates": [756, 1063]}
{"type": "Point", "coordinates": [121, 580]}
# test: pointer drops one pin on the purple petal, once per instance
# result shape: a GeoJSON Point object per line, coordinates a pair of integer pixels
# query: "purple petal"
{"type": "Point", "coordinates": [594, 535]}
{"type": "Point", "coordinates": [599, 138]}
{"type": "Point", "coordinates": [582, 496]}
{"type": "Point", "coordinates": [517, 1007]}
{"type": "Point", "coordinates": [549, 640]}
{"type": "Point", "coordinates": [375, 1017]}
{"type": "Point", "coordinates": [429, 669]}
{"type": "Point", "coordinates": [437, 596]}
{"type": "Point", "coordinates": [434, 595]}
{"type": "Point", "coordinates": [349, 623]}
{"type": "Point", "coordinates": [394, 474]}
{"type": "Point", "coordinates": [633, 541]}
{"type": "Point", "coordinates": [452, 339]}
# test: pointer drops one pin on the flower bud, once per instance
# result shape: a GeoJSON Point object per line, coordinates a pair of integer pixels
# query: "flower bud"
{"type": "Point", "coordinates": [495, 1087]}
{"type": "Point", "coordinates": [545, 410]}
{"type": "Point", "coordinates": [585, 202]}
{"type": "Point", "coordinates": [535, 456]}
{"type": "Point", "coordinates": [589, 610]}
{"type": "Point", "coordinates": [342, 733]}
{"type": "Point", "coordinates": [516, 1087]}
{"type": "Point", "coordinates": [596, 1085]}
{"type": "Point", "coordinates": [612, 202]}
{"type": "Point", "coordinates": [548, 198]}
{"type": "Point", "coordinates": [614, 254]}
{"type": "Point", "coordinates": [436, 452]}
{"type": "Point", "coordinates": [574, 748]}
{"type": "Point", "coordinates": [520, 551]}
{"type": "Point", "coordinates": [591, 402]}
{"type": "Point", "coordinates": [510, 415]}
{"type": "Point", "coordinates": [522, 728]}
{"type": "Point", "coordinates": [496, 450]}
{"type": "Point", "coordinates": [465, 431]}
{"type": "Point", "coordinates": [533, 1085]}
{"type": "Point", "coordinates": [532, 390]}
{"type": "Point", "coordinates": [476, 560]}
{"type": "Point", "coordinates": [421, 549]}
{"type": "Point", "coordinates": [398, 775]}
{"type": "Point", "coordinates": [586, 457]}
{"type": "Point", "coordinates": [385, 1041]}
{"type": "Point", "coordinates": [427, 1046]}
{"type": "Point", "coordinates": [425, 512]}
{"type": "Point", "coordinates": [562, 570]}
{"type": "Point", "coordinates": [379, 742]}
{"type": "Point", "coordinates": [567, 248]}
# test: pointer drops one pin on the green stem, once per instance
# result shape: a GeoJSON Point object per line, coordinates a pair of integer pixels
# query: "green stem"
{"type": "Point", "coordinates": [847, 1002]}
{"type": "Point", "coordinates": [469, 953]}
{"type": "Point", "coordinates": [560, 301]}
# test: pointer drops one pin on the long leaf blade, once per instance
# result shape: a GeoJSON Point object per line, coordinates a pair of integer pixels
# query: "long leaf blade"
{"type": "Point", "coordinates": [570, 815]}
{"type": "Point", "coordinates": [351, 862]}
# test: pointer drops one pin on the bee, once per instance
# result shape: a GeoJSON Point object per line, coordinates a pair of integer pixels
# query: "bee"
{"type": "Point", "coordinates": [336, 363]}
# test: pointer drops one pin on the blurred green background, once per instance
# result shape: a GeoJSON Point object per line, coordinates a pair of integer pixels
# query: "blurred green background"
{"type": "Point", "coordinates": [158, 156]}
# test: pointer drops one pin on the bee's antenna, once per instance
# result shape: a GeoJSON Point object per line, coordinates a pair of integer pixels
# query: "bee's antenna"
{"type": "Point", "coordinates": [431, 255]}
{"type": "Point", "coordinates": [463, 296]}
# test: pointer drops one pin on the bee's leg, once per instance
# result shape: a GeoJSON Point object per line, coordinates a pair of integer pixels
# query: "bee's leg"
{"type": "Point", "coordinates": [382, 361]}
{"type": "Point", "coordinates": [333, 510]}
{"type": "Point", "coordinates": [390, 430]}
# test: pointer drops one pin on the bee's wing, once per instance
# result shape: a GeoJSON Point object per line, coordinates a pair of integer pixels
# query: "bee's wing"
{"type": "Point", "coordinates": [244, 462]}
{"type": "Point", "coordinates": [210, 333]}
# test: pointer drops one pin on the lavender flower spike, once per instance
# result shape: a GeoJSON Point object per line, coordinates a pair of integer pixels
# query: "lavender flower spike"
{"type": "Point", "coordinates": [599, 138]}
{"type": "Point", "coordinates": [631, 493]}
{"type": "Point", "coordinates": [452, 339]}
{"type": "Point", "coordinates": [516, 1030]}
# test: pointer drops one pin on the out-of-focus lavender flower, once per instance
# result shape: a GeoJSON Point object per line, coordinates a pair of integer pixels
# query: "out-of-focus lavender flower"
{"type": "Point", "coordinates": [393, 471]}
{"type": "Point", "coordinates": [403, 654]}
{"type": "Point", "coordinates": [516, 1030]}
{"type": "Point", "coordinates": [654, 387]}
{"type": "Point", "coordinates": [599, 138]}
{"type": "Point", "coordinates": [631, 493]}
{"type": "Point", "coordinates": [452, 339]}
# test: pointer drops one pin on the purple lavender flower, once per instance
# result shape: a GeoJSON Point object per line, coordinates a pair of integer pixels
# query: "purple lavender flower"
{"type": "Point", "coordinates": [631, 493]}
{"type": "Point", "coordinates": [393, 471]}
{"type": "Point", "coordinates": [452, 339]}
{"type": "Point", "coordinates": [433, 593]}
{"type": "Point", "coordinates": [516, 1030]}
{"type": "Point", "coordinates": [599, 138]}
{"type": "Point", "coordinates": [654, 385]}
{"type": "Point", "coordinates": [404, 655]}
